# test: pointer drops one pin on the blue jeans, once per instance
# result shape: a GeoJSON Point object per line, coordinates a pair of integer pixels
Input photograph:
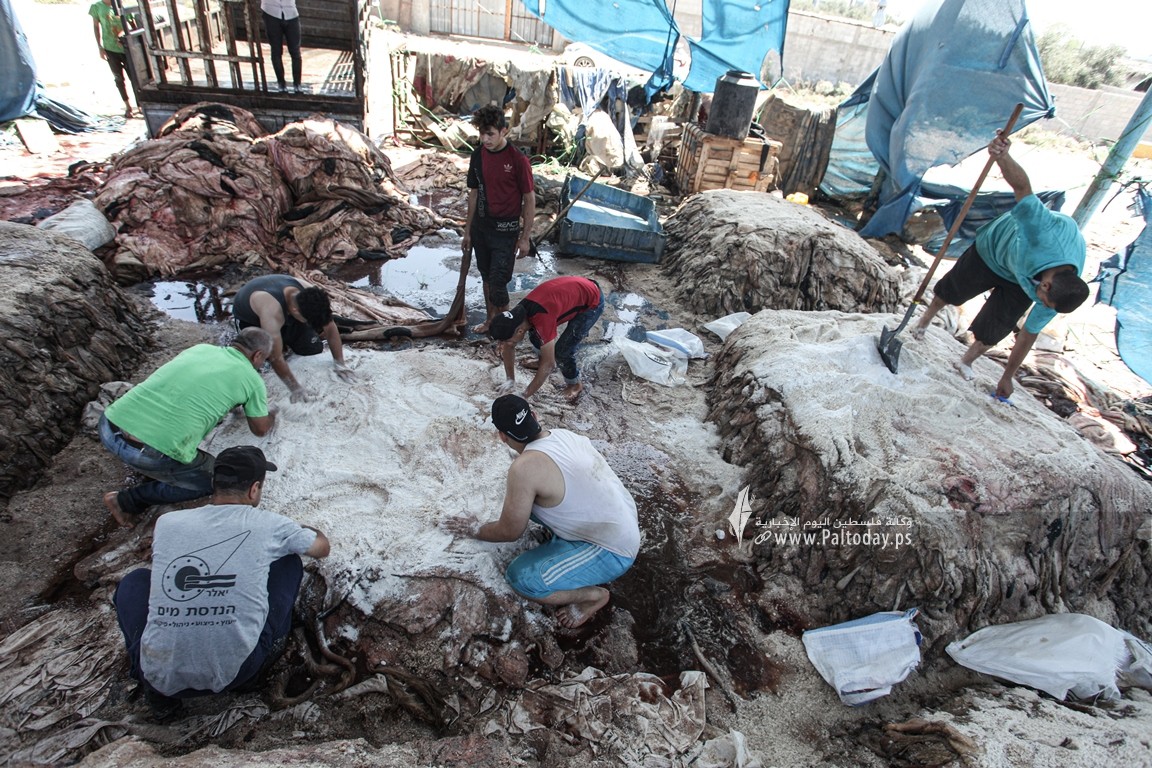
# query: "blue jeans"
{"type": "Point", "coordinates": [131, 601]}
{"type": "Point", "coordinates": [172, 481]}
{"type": "Point", "coordinates": [575, 332]}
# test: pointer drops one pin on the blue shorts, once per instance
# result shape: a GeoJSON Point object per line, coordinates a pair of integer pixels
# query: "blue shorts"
{"type": "Point", "coordinates": [561, 564]}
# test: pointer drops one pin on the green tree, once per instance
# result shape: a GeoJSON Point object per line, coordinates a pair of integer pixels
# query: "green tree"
{"type": "Point", "coordinates": [1070, 61]}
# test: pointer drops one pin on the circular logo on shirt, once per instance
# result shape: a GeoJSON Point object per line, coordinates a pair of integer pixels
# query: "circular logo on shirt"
{"type": "Point", "coordinates": [184, 577]}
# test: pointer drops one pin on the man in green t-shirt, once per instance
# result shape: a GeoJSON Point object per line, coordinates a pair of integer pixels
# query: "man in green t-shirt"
{"type": "Point", "coordinates": [157, 426]}
{"type": "Point", "coordinates": [108, 30]}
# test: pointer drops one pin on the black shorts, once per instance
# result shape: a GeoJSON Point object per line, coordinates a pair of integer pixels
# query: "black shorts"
{"type": "Point", "coordinates": [1006, 304]}
{"type": "Point", "coordinates": [494, 243]}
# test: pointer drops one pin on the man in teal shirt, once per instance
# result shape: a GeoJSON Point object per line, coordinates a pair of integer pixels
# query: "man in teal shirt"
{"type": "Point", "coordinates": [157, 426]}
{"type": "Point", "coordinates": [1028, 257]}
{"type": "Point", "coordinates": [108, 30]}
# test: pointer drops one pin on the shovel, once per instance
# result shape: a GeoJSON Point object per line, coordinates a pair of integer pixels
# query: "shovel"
{"type": "Point", "coordinates": [534, 253]}
{"type": "Point", "coordinates": [889, 345]}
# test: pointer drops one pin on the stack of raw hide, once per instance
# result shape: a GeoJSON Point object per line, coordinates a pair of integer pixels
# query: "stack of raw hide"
{"type": "Point", "coordinates": [213, 188]}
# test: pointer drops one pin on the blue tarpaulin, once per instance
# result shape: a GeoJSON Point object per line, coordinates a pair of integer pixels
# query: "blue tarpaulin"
{"type": "Point", "coordinates": [18, 81]}
{"type": "Point", "coordinates": [736, 35]}
{"type": "Point", "coordinates": [951, 78]}
{"type": "Point", "coordinates": [1126, 284]}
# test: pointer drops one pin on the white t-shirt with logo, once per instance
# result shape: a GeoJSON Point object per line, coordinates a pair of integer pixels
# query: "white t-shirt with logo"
{"type": "Point", "coordinates": [209, 596]}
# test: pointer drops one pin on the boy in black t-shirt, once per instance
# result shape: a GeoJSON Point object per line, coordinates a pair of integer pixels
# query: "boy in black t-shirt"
{"type": "Point", "coordinates": [501, 206]}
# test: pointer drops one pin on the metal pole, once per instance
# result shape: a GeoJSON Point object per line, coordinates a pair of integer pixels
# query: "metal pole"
{"type": "Point", "coordinates": [1121, 151]}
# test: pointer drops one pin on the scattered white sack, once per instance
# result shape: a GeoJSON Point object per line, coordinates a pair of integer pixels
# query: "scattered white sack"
{"type": "Point", "coordinates": [1058, 654]}
{"type": "Point", "coordinates": [652, 363]}
{"type": "Point", "coordinates": [727, 751]}
{"type": "Point", "coordinates": [862, 659]}
{"type": "Point", "coordinates": [1137, 673]}
{"type": "Point", "coordinates": [81, 221]}
{"type": "Point", "coordinates": [725, 325]}
{"type": "Point", "coordinates": [684, 343]}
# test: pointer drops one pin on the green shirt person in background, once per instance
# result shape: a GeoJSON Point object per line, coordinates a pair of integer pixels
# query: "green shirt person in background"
{"type": "Point", "coordinates": [108, 30]}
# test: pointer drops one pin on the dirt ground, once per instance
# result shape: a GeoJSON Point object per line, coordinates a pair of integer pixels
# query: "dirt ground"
{"type": "Point", "coordinates": [58, 529]}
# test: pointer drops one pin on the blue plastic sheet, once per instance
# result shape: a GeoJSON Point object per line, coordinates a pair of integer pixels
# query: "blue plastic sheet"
{"type": "Point", "coordinates": [951, 79]}
{"type": "Point", "coordinates": [18, 81]}
{"type": "Point", "coordinates": [736, 35]}
{"type": "Point", "coordinates": [1126, 284]}
{"type": "Point", "coordinates": [986, 207]}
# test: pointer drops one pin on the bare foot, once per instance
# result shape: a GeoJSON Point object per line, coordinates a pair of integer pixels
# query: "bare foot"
{"type": "Point", "coordinates": [572, 392]}
{"type": "Point", "coordinates": [119, 515]}
{"type": "Point", "coordinates": [964, 370]}
{"type": "Point", "coordinates": [481, 328]}
{"type": "Point", "coordinates": [577, 614]}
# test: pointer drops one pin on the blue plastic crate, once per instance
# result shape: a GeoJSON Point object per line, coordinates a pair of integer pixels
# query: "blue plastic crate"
{"type": "Point", "coordinates": [609, 223]}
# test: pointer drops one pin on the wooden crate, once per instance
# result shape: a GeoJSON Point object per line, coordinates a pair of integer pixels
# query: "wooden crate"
{"type": "Point", "coordinates": [708, 161]}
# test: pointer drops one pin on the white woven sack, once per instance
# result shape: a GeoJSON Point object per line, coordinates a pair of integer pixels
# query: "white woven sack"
{"type": "Point", "coordinates": [862, 659]}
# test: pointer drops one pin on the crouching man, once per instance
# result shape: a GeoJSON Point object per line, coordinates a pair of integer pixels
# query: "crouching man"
{"type": "Point", "coordinates": [562, 482]}
{"type": "Point", "coordinates": [214, 611]}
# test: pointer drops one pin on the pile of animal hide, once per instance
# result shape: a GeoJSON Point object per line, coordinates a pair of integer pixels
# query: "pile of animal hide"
{"type": "Point", "coordinates": [214, 188]}
{"type": "Point", "coordinates": [1003, 511]}
{"type": "Point", "coordinates": [66, 328]}
{"type": "Point", "coordinates": [746, 251]}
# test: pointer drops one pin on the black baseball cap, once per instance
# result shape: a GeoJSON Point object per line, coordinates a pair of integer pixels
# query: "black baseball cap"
{"type": "Point", "coordinates": [512, 415]}
{"type": "Point", "coordinates": [505, 324]}
{"type": "Point", "coordinates": [242, 464]}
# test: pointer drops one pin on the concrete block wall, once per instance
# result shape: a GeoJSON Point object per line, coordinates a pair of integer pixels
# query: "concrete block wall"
{"type": "Point", "coordinates": [837, 50]}
{"type": "Point", "coordinates": [1092, 114]}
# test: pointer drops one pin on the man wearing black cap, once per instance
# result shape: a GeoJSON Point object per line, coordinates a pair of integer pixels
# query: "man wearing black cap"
{"type": "Point", "coordinates": [214, 610]}
{"type": "Point", "coordinates": [577, 301]}
{"type": "Point", "coordinates": [562, 482]}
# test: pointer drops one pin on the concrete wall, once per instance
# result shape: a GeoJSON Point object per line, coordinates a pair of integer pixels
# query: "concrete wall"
{"type": "Point", "coordinates": [837, 50]}
{"type": "Point", "coordinates": [1093, 114]}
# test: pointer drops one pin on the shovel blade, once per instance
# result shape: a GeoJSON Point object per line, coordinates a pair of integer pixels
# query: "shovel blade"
{"type": "Point", "coordinates": [889, 348]}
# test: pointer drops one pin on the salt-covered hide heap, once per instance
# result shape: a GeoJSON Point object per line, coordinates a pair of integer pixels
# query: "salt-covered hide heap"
{"type": "Point", "coordinates": [1006, 512]}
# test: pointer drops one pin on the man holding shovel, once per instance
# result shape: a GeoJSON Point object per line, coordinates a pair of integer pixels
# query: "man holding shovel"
{"type": "Point", "coordinates": [1027, 257]}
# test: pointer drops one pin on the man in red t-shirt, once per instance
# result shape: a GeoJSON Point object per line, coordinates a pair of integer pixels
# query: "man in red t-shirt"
{"type": "Point", "coordinates": [501, 206]}
{"type": "Point", "coordinates": [577, 301]}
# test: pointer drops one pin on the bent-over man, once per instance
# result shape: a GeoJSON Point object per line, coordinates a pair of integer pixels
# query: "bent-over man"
{"type": "Point", "coordinates": [297, 316]}
{"type": "Point", "coordinates": [562, 482]}
{"type": "Point", "coordinates": [157, 426]}
{"type": "Point", "coordinates": [577, 301]}
{"type": "Point", "coordinates": [216, 607]}
{"type": "Point", "coordinates": [1027, 257]}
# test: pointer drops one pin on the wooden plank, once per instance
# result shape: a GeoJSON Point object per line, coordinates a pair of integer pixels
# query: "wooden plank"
{"type": "Point", "coordinates": [204, 33]}
{"type": "Point", "coordinates": [37, 136]}
{"type": "Point", "coordinates": [178, 43]}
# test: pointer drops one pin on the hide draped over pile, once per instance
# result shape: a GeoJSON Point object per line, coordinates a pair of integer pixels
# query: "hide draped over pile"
{"type": "Point", "coordinates": [214, 188]}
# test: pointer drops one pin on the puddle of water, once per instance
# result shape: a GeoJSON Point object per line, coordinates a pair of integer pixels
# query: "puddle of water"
{"type": "Point", "coordinates": [635, 315]}
{"type": "Point", "coordinates": [427, 277]}
{"type": "Point", "coordinates": [196, 302]}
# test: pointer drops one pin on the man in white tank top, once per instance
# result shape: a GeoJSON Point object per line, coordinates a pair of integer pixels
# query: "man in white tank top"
{"type": "Point", "coordinates": [562, 482]}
